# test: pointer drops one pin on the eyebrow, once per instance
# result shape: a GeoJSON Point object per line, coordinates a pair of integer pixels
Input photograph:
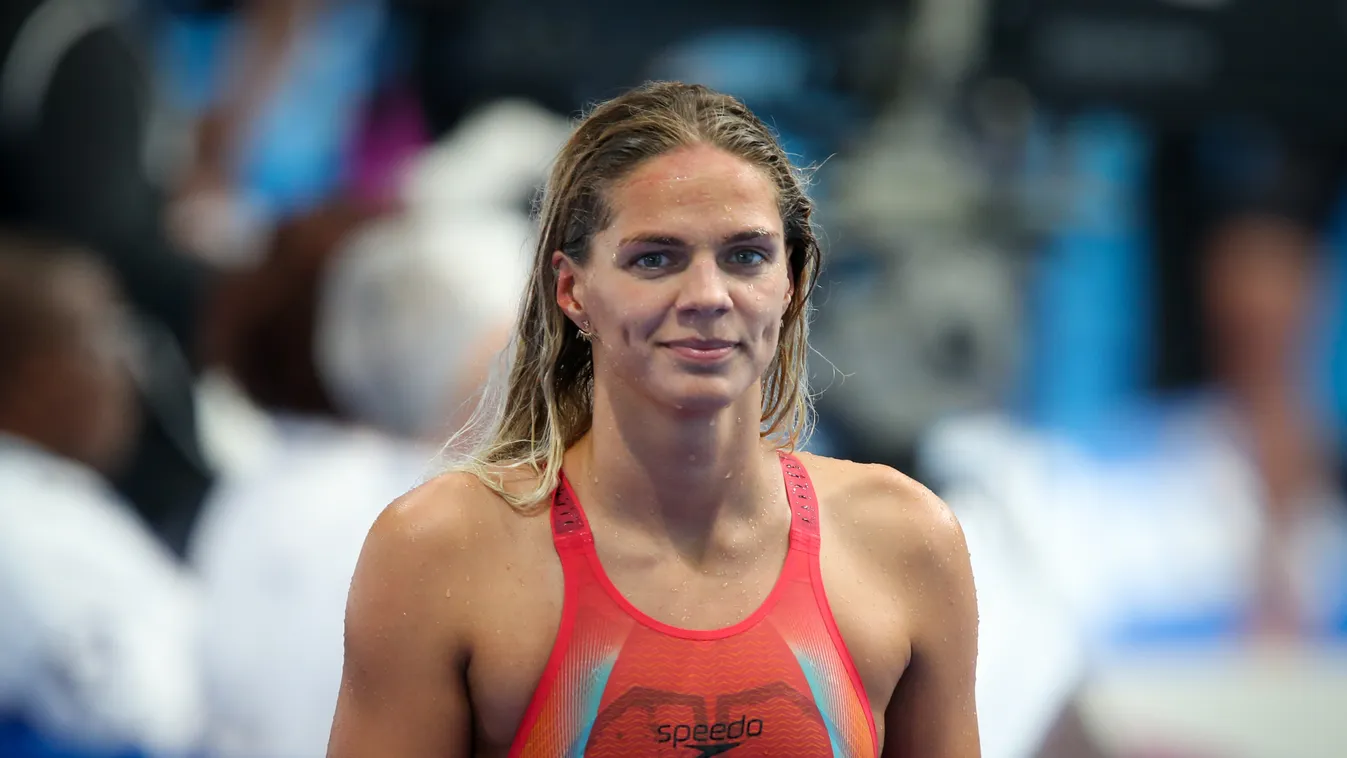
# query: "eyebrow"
{"type": "Point", "coordinates": [665, 240]}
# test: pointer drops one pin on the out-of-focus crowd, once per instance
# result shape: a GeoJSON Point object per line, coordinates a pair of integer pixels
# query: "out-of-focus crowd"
{"type": "Point", "coordinates": [258, 257]}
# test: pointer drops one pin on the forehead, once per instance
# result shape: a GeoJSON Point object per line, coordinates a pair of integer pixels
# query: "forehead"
{"type": "Point", "coordinates": [695, 188]}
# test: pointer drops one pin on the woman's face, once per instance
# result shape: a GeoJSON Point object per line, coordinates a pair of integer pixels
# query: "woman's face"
{"type": "Point", "coordinates": [685, 290]}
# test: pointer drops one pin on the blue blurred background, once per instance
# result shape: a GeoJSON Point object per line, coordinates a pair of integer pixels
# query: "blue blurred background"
{"type": "Point", "coordinates": [1086, 277]}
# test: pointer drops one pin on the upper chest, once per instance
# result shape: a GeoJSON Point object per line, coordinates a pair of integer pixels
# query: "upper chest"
{"type": "Point", "coordinates": [521, 615]}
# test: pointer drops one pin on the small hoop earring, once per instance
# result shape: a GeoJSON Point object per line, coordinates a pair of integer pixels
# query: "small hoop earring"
{"type": "Point", "coordinates": [585, 334]}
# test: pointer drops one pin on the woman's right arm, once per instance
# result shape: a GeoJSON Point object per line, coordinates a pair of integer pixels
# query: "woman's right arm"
{"type": "Point", "coordinates": [403, 689]}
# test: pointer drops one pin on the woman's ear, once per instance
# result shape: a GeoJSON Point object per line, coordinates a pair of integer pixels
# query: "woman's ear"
{"type": "Point", "coordinates": [569, 288]}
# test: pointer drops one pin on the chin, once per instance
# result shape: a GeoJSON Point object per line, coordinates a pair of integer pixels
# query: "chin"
{"type": "Point", "coordinates": [699, 396]}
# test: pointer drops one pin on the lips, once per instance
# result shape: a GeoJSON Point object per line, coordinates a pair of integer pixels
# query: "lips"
{"type": "Point", "coordinates": [702, 350]}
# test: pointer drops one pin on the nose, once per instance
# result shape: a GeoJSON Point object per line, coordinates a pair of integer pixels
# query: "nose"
{"type": "Point", "coordinates": [704, 290]}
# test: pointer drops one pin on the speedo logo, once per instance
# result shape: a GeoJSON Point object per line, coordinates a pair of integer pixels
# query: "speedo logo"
{"type": "Point", "coordinates": [709, 739]}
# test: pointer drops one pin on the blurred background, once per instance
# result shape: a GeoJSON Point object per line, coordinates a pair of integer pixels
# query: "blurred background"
{"type": "Point", "coordinates": [1086, 277]}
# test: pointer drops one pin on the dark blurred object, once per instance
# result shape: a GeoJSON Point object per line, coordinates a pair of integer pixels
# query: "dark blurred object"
{"type": "Point", "coordinates": [568, 55]}
{"type": "Point", "coordinates": [929, 327]}
{"type": "Point", "coordinates": [202, 7]}
{"type": "Point", "coordinates": [264, 336]}
{"type": "Point", "coordinates": [76, 115]}
{"type": "Point", "coordinates": [20, 740]}
{"type": "Point", "coordinates": [1176, 62]}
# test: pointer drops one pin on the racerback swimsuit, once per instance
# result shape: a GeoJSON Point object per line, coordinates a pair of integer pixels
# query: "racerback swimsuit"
{"type": "Point", "coordinates": [621, 684]}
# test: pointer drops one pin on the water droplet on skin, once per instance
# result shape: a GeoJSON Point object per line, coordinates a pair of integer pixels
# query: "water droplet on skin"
{"type": "Point", "coordinates": [448, 593]}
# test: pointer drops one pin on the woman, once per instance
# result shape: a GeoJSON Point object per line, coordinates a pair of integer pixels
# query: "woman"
{"type": "Point", "coordinates": [620, 569]}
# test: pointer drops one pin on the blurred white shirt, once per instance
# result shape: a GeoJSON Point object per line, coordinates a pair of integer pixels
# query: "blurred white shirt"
{"type": "Point", "coordinates": [98, 623]}
{"type": "Point", "coordinates": [1031, 653]}
{"type": "Point", "coordinates": [1157, 543]}
{"type": "Point", "coordinates": [276, 548]}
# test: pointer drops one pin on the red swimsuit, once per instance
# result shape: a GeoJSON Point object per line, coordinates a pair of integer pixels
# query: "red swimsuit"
{"type": "Point", "coordinates": [620, 684]}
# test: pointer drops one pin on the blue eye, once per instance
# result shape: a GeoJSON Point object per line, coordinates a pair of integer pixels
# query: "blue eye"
{"type": "Point", "coordinates": [747, 257]}
{"type": "Point", "coordinates": [650, 260]}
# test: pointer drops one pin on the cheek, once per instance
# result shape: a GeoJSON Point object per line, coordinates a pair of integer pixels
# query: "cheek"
{"type": "Point", "coordinates": [771, 337]}
{"type": "Point", "coordinates": [768, 305]}
{"type": "Point", "coordinates": [629, 313]}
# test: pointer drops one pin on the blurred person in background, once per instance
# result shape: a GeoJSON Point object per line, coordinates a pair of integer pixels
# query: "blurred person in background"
{"type": "Point", "coordinates": [1203, 521]}
{"type": "Point", "coordinates": [346, 377]}
{"type": "Point", "coordinates": [1237, 464]}
{"type": "Point", "coordinates": [1261, 275]}
{"type": "Point", "coordinates": [78, 111]}
{"type": "Point", "coordinates": [87, 154]}
{"type": "Point", "coordinates": [277, 543]}
{"type": "Point", "coordinates": [78, 161]}
{"type": "Point", "coordinates": [673, 273]}
{"type": "Point", "coordinates": [98, 645]}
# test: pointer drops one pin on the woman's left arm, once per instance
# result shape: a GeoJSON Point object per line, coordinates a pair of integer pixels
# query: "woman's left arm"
{"type": "Point", "coordinates": [933, 713]}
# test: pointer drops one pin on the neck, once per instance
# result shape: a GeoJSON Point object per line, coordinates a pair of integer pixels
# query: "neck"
{"type": "Point", "coordinates": [645, 463]}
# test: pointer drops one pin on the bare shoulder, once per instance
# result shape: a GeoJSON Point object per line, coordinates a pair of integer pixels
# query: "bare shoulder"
{"type": "Point", "coordinates": [880, 510]}
{"type": "Point", "coordinates": [447, 512]}
{"type": "Point", "coordinates": [420, 557]}
{"type": "Point", "coordinates": [431, 593]}
{"type": "Point", "coordinates": [455, 510]}
{"type": "Point", "coordinates": [896, 565]}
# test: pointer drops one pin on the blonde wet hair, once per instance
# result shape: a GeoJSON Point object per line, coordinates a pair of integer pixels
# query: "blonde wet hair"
{"type": "Point", "coordinates": [541, 402]}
